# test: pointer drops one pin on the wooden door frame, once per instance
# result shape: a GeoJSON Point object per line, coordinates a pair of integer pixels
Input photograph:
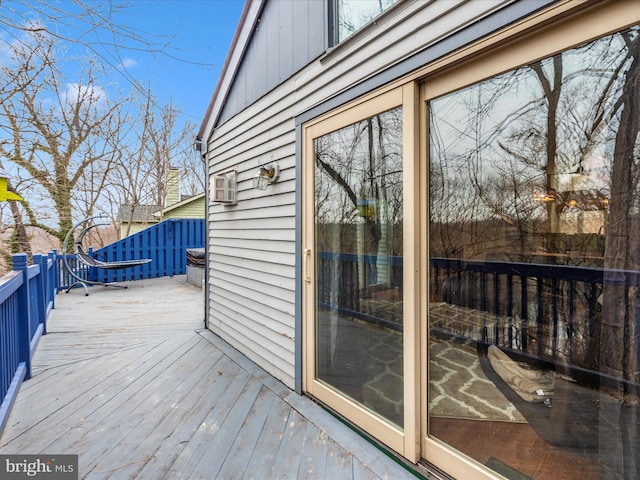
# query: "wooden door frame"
{"type": "Point", "coordinates": [405, 441]}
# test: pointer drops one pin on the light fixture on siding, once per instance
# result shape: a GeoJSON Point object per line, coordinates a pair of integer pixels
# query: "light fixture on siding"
{"type": "Point", "coordinates": [267, 175]}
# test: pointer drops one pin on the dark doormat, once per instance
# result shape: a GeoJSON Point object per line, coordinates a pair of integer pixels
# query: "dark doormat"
{"type": "Point", "coordinates": [505, 470]}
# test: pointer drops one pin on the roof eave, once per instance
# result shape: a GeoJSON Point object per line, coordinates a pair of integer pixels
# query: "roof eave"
{"type": "Point", "coordinates": [189, 200]}
{"type": "Point", "coordinates": [248, 18]}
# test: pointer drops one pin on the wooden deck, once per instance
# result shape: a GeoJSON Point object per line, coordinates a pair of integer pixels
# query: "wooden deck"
{"type": "Point", "coordinates": [131, 382]}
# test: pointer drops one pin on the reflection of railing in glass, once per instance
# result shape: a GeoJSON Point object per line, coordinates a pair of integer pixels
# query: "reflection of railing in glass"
{"type": "Point", "coordinates": [546, 314]}
{"type": "Point", "coordinates": [540, 161]}
{"type": "Point", "coordinates": [355, 298]}
{"type": "Point", "coordinates": [535, 332]}
{"type": "Point", "coordinates": [534, 224]}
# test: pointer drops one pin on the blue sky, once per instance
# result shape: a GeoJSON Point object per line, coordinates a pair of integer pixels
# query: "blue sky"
{"type": "Point", "coordinates": [201, 32]}
{"type": "Point", "coordinates": [197, 35]}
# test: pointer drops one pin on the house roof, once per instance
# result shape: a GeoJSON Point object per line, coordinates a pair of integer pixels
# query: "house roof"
{"type": "Point", "coordinates": [182, 203]}
{"type": "Point", "coordinates": [141, 213]}
{"type": "Point", "coordinates": [245, 28]}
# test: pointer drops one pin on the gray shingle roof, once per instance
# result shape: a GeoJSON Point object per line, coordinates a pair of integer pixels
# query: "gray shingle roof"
{"type": "Point", "coordinates": [141, 213]}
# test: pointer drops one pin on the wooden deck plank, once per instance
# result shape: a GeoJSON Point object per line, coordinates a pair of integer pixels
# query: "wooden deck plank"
{"type": "Point", "coordinates": [114, 393]}
{"type": "Point", "coordinates": [189, 437]}
{"type": "Point", "coordinates": [81, 383]}
{"type": "Point", "coordinates": [196, 446]}
{"type": "Point", "coordinates": [313, 462]}
{"type": "Point", "coordinates": [105, 358]}
{"type": "Point", "coordinates": [103, 398]}
{"type": "Point", "coordinates": [236, 461]}
{"type": "Point", "coordinates": [339, 462]}
{"type": "Point", "coordinates": [65, 355]}
{"type": "Point", "coordinates": [71, 403]}
{"type": "Point", "coordinates": [288, 456]}
{"type": "Point", "coordinates": [361, 472]}
{"type": "Point", "coordinates": [257, 372]}
{"type": "Point", "coordinates": [230, 425]}
{"type": "Point", "coordinates": [263, 459]}
{"type": "Point", "coordinates": [61, 356]}
{"type": "Point", "coordinates": [153, 414]}
{"type": "Point", "coordinates": [367, 453]}
{"type": "Point", "coordinates": [131, 383]}
{"type": "Point", "coordinates": [108, 428]}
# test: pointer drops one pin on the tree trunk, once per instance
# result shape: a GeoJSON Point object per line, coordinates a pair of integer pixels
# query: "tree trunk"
{"type": "Point", "coordinates": [20, 242]}
{"type": "Point", "coordinates": [618, 339]}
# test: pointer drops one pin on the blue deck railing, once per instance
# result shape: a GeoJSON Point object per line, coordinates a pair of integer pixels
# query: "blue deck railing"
{"type": "Point", "coordinates": [26, 298]}
{"type": "Point", "coordinates": [27, 294]}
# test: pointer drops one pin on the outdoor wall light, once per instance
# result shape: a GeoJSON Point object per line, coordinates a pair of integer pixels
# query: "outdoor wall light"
{"type": "Point", "coordinates": [267, 175]}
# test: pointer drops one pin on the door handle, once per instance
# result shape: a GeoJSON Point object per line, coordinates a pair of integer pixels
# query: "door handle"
{"type": "Point", "coordinates": [307, 256]}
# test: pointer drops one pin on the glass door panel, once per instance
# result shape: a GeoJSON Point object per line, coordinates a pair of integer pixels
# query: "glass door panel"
{"type": "Point", "coordinates": [358, 263]}
{"type": "Point", "coordinates": [534, 241]}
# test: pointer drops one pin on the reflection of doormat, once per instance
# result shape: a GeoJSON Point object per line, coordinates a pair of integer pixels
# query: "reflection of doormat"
{"type": "Point", "coordinates": [458, 388]}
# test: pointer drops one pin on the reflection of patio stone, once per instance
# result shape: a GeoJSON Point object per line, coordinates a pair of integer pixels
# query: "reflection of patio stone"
{"type": "Point", "coordinates": [383, 383]}
{"type": "Point", "coordinates": [384, 395]}
{"type": "Point", "coordinates": [397, 365]}
{"type": "Point", "coordinates": [383, 353]}
{"type": "Point", "coordinates": [390, 311]}
{"type": "Point", "coordinates": [366, 364]}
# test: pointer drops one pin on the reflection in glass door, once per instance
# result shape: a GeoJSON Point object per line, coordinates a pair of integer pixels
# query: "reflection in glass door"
{"type": "Point", "coordinates": [534, 228]}
{"type": "Point", "coordinates": [358, 263]}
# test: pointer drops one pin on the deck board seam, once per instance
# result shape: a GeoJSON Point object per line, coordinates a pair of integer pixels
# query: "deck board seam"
{"type": "Point", "coordinates": [257, 372]}
{"type": "Point", "coordinates": [159, 413]}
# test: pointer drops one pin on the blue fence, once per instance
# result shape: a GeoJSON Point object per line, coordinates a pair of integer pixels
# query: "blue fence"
{"type": "Point", "coordinates": [165, 244]}
{"type": "Point", "coordinates": [26, 298]}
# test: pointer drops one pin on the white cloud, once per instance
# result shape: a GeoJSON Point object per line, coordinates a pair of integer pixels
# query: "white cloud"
{"type": "Point", "coordinates": [13, 39]}
{"type": "Point", "coordinates": [128, 63]}
{"type": "Point", "coordinates": [87, 94]}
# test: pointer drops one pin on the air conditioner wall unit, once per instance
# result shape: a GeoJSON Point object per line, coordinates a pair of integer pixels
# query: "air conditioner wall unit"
{"type": "Point", "coordinates": [224, 188]}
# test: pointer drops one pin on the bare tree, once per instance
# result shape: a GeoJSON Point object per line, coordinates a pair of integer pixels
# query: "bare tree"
{"type": "Point", "coordinates": [619, 346]}
{"type": "Point", "coordinates": [53, 131]}
{"type": "Point", "coordinates": [63, 138]}
{"type": "Point", "coordinates": [153, 143]}
{"type": "Point", "coordinates": [170, 146]}
{"type": "Point", "coordinates": [89, 25]}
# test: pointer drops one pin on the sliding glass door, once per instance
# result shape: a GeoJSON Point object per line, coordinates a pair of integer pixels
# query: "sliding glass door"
{"type": "Point", "coordinates": [471, 255]}
{"type": "Point", "coordinates": [358, 231]}
{"type": "Point", "coordinates": [534, 244]}
{"type": "Point", "coordinates": [355, 360]}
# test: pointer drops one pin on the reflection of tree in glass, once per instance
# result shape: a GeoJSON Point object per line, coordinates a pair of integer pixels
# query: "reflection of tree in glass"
{"type": "Point", "coordinates": [525, 140]}
{"type": "Point", "coordinates": [359, 180]}
{"type": "Point", "coordinates": [515, 158]}
{"type": "Point", "coordinates": [354, 14]}
{"type": "Point", "coordinates": [620, 350]}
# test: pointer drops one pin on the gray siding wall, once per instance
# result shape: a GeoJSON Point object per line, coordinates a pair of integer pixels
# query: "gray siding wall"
{"type": "Point", "coordinates": [252, 245]}
{"type": "Point", "coordinates": [289, 34]}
